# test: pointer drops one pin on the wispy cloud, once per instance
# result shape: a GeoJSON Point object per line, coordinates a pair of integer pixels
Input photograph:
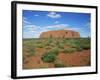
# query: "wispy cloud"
{"type": "Point", "coordinates": [30, 28]}
{"type": "Point", "coordinates": [88, 24]}
{"type": "Point", "coordinates": [56, 22]}
{"type": "Point", "coordinates": [36, 15]}
{"type": "Point", "coordinates": [25, 21]}
{"type": "Point", "coordinates": [53, 15]}
{"type": "Point", "coordinates": [30, 31]}
{"type": "Point", "coordinates": [57, 27]}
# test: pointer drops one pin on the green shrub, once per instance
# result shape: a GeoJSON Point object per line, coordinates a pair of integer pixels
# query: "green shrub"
{"type": "Point", "coordinates": [86, 46]}
{"type": "Point", "coordinates": [70, 50]}
{"type": "Point", "coordinates": [57, 43]}
{"type": "Point", "coordinates": [61, 46]}
{"type": "Point", "coordinates": [48, 47]}
{"type": "Point", "coordinates": [52, 44]}
{"type": "Point", "coordinates": [48, 57]}
{"type": "Point", "coordinates": [47, 44]}
{"type": "Point", "coordinates": [39, 42]}
{"type": "Point", "coordinates": [54, 51]}
{"type": "Point", "coordinates": [30, 51]}
{"type": "Point", "coordinates": [59, 65]}
{"type": "Point", "coordinates": [50, 40]}
{"type": "Point", "coordinates": [40, 46]}
{"type": "Point", "coordinates": [79, 48]}
{"type": "Point", "coordinates": [82, 46]}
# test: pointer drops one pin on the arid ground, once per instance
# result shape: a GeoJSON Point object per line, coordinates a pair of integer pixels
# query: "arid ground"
{"type": "Point", "coordinates": [56, 53]}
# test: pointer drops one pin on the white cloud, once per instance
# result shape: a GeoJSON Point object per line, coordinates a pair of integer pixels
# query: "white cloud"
{"type": "Point", "coordinates": [28, 28]}
{"type": "Point", "coordinates": [57, 27]}
{"type": "Point", "coordinates": [36, 15]}
{"type": "Point", "coordinates": [88, 24]}
{"type": "Point", "coordinates": [54, 15]}
{"type": "Point", "coordinates": [25, 21]}
{"type": "Point", "coordinates": [56, 22]}
{"type": "Point", "coordinates": [30, 31]}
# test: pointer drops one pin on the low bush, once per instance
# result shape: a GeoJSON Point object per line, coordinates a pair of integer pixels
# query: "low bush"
{"type": "Point", "coordinates": [48, 47]}
{"type": "Point", "coordinates": [50, 56]}
{"type": "Point", "coordinates": [57, 42]}
{"type": "Point", "coordinates": [39, 42]}
{"type": "Point", "coordinates": [61, 46]}
{"type": "Point", "coordinates": [52, 44]}
{"type": "Point", "coordinates": [86, 46]}
{"type": "Point", "coordinates": [57, 65]}
{"type": "Point", "coordinates": [47, 44]}
{"type": "Point", "coordinates": [79, 48]}
{"type": "Point", "coordinates": [40, 46]}
{"type": "Point", "coordinates": [54, 51]}
{"type": "Point", "coordinates": [30, 51]}
{"type": "Point", "coordinates": [69, 50]}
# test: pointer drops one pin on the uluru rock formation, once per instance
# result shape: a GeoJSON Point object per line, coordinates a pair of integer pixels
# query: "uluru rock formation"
{"type": "Point", "coordinates": [60, 34]}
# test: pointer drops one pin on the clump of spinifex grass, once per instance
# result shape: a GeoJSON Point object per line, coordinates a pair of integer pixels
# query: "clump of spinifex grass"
{"type": "Point", "coordinates": [69, 50]}
{"type": "Point", "coordinates": [80, 44]}
{"type": "Point", "coordinates": [58, 63]}
{"type": "Point", "coordinates": [86, 46]}
{"type": "Point", "coordinates": [30, 50]}
{"type": "Point", "coordinates": [40, 45]}
{"type": "Point", "coordinates": [50, 56]}
{"type": "Point", "coordinates": [48, 47]}
{"type": "Point", "coordinates": [61, 46]}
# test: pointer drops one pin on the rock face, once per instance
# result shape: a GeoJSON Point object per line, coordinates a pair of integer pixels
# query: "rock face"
{"type": "Point", "coordinates": [60, 34]}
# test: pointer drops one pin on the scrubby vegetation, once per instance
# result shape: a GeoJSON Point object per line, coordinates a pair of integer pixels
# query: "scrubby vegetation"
{"type": "Point", "coordinates": [50, 56]}
{"type": "Point", "coordinates": [29, 48]}
{"type": "Point", "coordinates": [53, 47]}
{"type": "Point", "coordinates": [59, 65]}
{"type": "Point", "coordinates": [56, 45]}
{"type": "Point", "coordinates": [69, 50]}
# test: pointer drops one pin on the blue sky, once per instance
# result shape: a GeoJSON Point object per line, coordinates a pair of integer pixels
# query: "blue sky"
{"type": "Point", "coordinates": [36, 22]}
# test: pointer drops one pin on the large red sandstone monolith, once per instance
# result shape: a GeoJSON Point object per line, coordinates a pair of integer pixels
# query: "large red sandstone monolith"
{"type": "Point", "coordinates": [60, 34]}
